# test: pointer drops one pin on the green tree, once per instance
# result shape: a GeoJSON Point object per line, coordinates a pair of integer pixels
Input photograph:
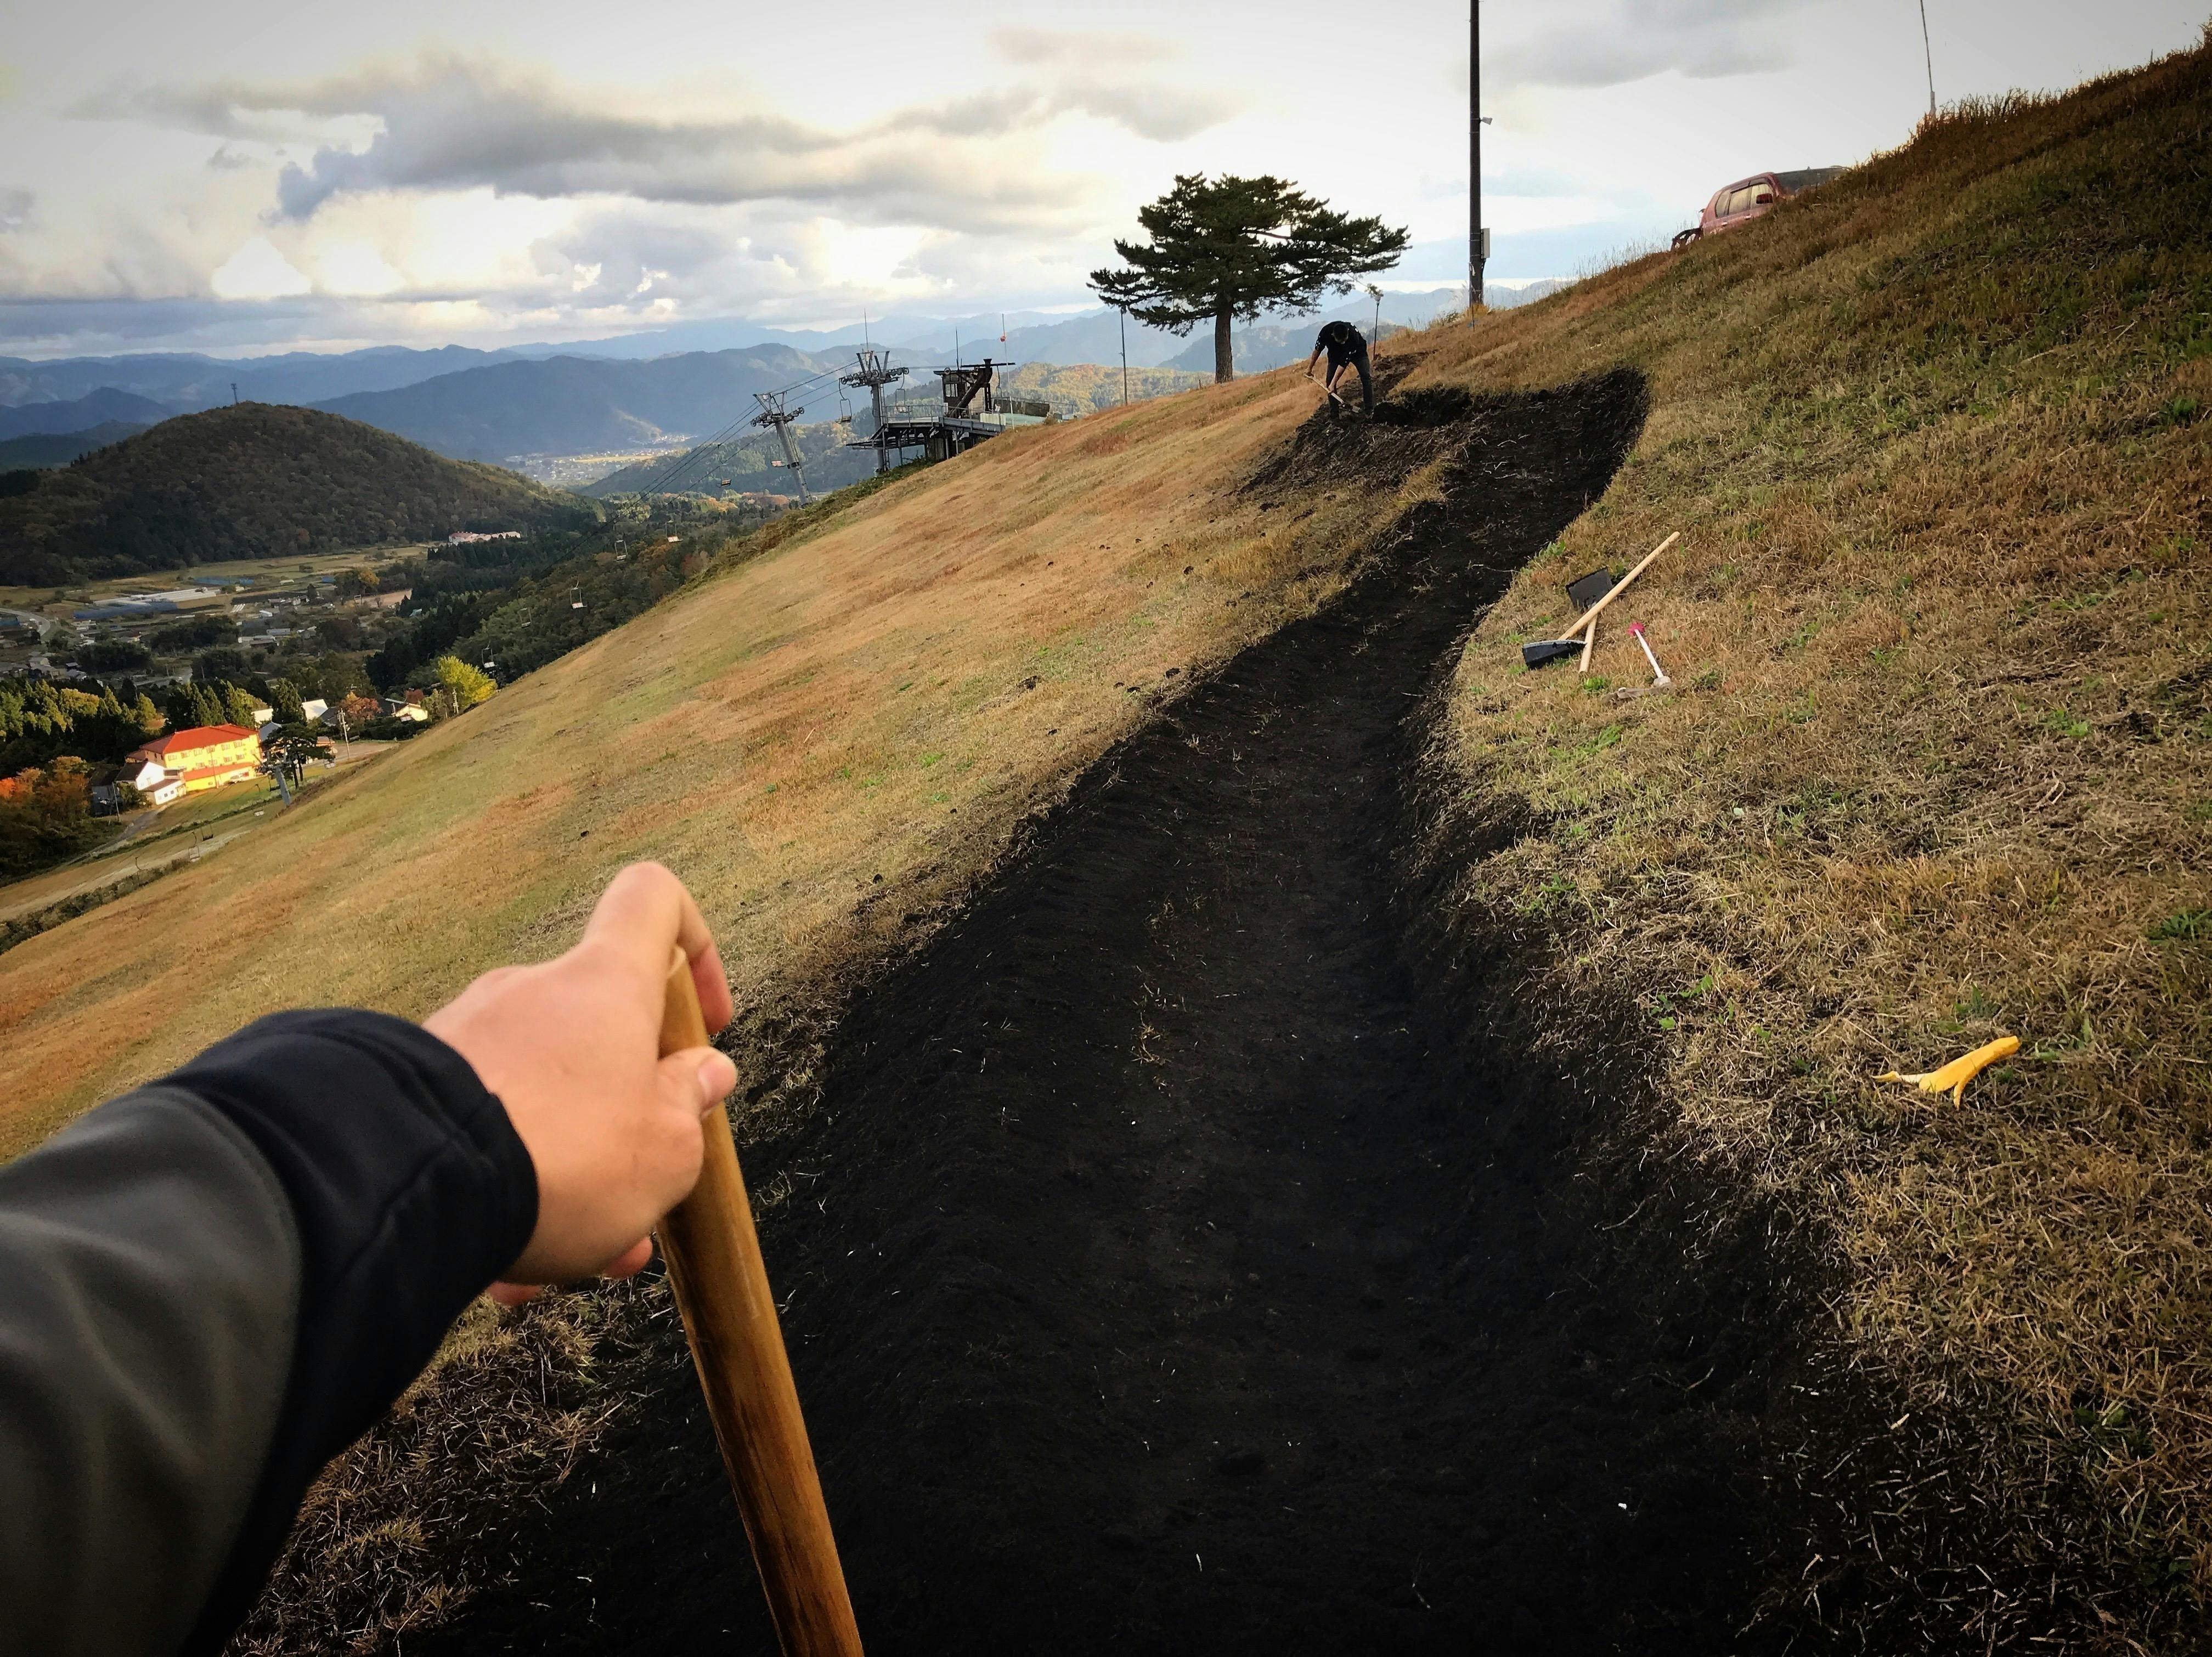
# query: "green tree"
{"type": "Point", "coordinates": [1229, 247]}
{"type": "Point", "coordinates": [239, 706]}
{"type": "Point", "coordinates": [284, 701]}
{"type": "Point", "coordinates": [146, 716]}
{"type": "Point", "coordinates": [469, 685]}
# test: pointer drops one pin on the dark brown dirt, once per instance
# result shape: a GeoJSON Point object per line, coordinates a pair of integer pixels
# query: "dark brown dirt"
{"type": "Point", "coordinates": [1170, 1269]}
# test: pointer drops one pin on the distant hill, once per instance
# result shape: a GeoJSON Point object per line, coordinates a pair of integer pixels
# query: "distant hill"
{"type": "Point", "coordinates": [106, 406]}
{"type": "Point", "coordinates": [183, 381]}
{"type": "Point", "coordinates": [59, 448]}
{"type": "Point", "coordinates": [574, 405]}
{"type": "Point", "coordinates": [750, 464]}
{"type": "Point", "coordinates": [251, 482]}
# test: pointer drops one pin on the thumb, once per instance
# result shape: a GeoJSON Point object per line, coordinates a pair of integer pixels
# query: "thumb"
{"type": "Point", "coordinates": [697, 1078]}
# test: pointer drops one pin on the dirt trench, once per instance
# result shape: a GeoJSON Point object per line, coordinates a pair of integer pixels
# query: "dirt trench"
{"type": "Point", "coordinates": [1169, 1268]}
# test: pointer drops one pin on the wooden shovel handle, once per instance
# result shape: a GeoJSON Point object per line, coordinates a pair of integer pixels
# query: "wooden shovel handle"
{"type": "Point", "coordinates": [729, 1318]}
{"type": "Point", "coordinates": [1589, 617]}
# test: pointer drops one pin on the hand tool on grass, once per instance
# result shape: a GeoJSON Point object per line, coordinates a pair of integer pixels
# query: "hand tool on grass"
{"type": "Point", "coordinates": [1659, 679]}
{"type": "Point", "coordinates": [1589, 617]}
{"type": "Point", "coordinates": [1583, 634]}
{"type": "Point", "coordinates": [729, 1318]}
{"type": "Point", "coordinates": [1954, 1076]}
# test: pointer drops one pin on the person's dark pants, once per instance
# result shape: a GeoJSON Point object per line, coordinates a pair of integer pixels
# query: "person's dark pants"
{"type": "Point", "coordinates": [1357, 356]}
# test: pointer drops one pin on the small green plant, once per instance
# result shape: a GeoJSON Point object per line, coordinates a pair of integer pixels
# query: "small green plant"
{"type": "Point", "coordinates": [2067, 723]}
{"type": "Point", "coordinates": [1596, 683]}
{"type": "Point", "coordinates": [2184, 926]}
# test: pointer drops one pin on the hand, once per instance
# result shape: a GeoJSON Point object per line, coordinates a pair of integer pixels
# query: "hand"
{"type": "Point", "coordinates": [571, 1047]}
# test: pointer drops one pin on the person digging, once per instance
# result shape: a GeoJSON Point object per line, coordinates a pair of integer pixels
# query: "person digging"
{"type": "Point", "coordinates": [1346, 348]}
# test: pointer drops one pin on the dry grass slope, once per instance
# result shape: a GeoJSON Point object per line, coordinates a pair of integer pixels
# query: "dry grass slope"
{"type": "Point", "coordinates": [1934, 766]}
{"type": "Point", "coordinates": [828, 737]}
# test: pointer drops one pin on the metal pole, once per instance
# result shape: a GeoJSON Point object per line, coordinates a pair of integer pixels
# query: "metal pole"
{"type": "Point", "coordinates": [1929, 52]}
{"type": "Point", "coordinates": [1125, 358]}
{"type": "Point", "coordinates": [1476, 260]}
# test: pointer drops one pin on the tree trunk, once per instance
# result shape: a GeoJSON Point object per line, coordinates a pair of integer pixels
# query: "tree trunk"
{"type": "Point", "coordinates": [1224, 359]}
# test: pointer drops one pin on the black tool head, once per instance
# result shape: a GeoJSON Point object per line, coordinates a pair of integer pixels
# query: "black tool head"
{"type": "Point", "coordinates": [1587, 590]}
{"type": "Point", "coordinates": [1548, 650]}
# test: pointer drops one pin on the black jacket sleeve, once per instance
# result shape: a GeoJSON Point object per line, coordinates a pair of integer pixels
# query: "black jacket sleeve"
{"type": "Point", "coordinates": [229, 1276]}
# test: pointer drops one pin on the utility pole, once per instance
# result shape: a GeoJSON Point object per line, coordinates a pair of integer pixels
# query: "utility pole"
{"type": "Point", "coordinates": [1125, 357]}
{"type": "Point", "coordinates": [1928, 52]}
{"type": "Point", "coordinates": [875, 372]}
{"type": "Point", "coordinates": [775, 413]}
{"type": "Point", "coordinates": [233, 384]}
{"type": "Point", "coordinates": [1478, 239]}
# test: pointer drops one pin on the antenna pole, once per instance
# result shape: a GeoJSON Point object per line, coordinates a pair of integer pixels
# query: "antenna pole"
{"type": "Point", "coordinates": [1928, 52]}
{"type": "Point", "coordinates": [1478, 256]}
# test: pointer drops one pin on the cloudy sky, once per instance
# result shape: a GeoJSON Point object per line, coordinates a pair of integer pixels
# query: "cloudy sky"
{"type": "Point", "coordinates": [244, 175]}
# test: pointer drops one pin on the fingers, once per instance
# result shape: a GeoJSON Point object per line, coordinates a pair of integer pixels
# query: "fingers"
{"type": "Point", "coordinates": [645, 910]}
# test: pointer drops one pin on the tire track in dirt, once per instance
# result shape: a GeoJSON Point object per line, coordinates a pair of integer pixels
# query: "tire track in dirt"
{"type": "Point", "coordinates": [1154, 1284]}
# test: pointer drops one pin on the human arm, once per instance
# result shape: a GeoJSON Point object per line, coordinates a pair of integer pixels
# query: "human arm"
{"type": "Point", "coordinates": [219, 1281]}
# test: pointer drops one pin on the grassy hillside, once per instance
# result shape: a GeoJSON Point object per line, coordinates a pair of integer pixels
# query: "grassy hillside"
{"type": "Point", "coordinates": [1933, 768]}
{"type": "Point", "coordinates": [882, 694]}
{"type": "Point", "coordinates": [1088, 388]}
{"type": "Point", "coordinates": [253, 481]}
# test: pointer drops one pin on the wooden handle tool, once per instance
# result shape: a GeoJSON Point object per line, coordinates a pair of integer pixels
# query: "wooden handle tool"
{"type": "Point", "coordinates": [729, 1317]}
{"type": "Point", "coordinates": [1588, 616]}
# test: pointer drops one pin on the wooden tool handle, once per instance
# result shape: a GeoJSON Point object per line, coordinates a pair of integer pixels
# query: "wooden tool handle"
{"type": "Point", "coordinates": [1590, 616]}
{"type": "Point", "coordinates": [729, 1317]}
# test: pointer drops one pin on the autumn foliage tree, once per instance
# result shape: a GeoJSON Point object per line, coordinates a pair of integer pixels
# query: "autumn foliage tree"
{"type": "Point", "coordinates": [1227, 248]}
{"type": "Point", "coordinates": [45, 814]}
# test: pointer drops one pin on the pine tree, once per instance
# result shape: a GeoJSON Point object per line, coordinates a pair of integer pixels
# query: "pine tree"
{"type": "Point", "coordinates": [1230, 247]}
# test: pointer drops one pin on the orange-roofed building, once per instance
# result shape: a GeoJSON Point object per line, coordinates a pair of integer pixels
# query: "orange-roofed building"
{"type": "Point", "coordinates": [205, 756]}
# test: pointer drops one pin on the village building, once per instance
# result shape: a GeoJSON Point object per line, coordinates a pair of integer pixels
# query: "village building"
{"type": "Point", "coordinates": [205, 756]}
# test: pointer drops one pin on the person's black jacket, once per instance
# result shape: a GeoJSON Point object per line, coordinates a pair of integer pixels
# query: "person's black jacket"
{"type": "Point", "coordinates": [209, 1288]}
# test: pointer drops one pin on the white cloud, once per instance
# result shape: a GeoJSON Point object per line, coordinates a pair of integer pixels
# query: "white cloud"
{"type": "Point", "coordinates": [258, 271]}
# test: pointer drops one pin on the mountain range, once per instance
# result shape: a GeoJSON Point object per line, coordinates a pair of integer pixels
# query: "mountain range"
{"type": "Point", "coordinates": [633, 392]}
{"type": "Point", "coordinates": [578, 405]}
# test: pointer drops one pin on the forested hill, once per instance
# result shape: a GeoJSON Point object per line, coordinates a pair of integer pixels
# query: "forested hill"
{"type": "Point", "coordinates": [248, 481]}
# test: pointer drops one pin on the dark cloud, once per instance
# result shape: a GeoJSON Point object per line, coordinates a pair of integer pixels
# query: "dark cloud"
{"type": "Point", "coordinates": [453, 124]}
{"type": "Point", "coordinates": [1704, 39]}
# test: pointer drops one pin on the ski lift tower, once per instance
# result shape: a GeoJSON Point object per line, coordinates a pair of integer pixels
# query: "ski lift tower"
{"type": "Point", "coordinates": [875, 372]}
{"type": "Point", "coordinates": [777, 413]}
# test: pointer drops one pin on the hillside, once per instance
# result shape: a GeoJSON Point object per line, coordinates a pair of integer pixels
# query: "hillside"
{"type": "Point", "coordinates": [59, 448]}
{"type": "Point", "coordinates": [251, 482]}
{"type": "Point", "coordinates": [576, 405]}
{"type": "Point", "coordinates": [1239, 1072]}
{"type": "Point", "coordinates": [107, 406]}
{"type": "Point", "coordinates": [749, 464]}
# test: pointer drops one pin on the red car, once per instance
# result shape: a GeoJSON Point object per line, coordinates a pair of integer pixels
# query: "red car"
{"type": "Point", "coordinates": [1747, 198]}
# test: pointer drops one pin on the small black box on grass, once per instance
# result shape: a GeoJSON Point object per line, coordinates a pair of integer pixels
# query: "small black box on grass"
{"type": "Point", "coordinates": [1587, 591]}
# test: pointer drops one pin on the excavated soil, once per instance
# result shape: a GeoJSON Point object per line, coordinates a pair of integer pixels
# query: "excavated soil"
{"type": "Point", "coordinates": [1170, 1267]}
